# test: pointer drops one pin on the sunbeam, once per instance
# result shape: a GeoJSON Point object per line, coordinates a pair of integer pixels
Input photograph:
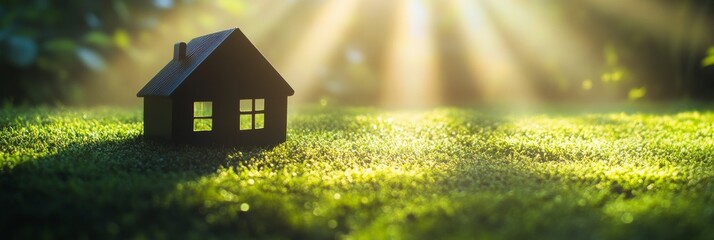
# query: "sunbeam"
{"type": "Point", "coordinates": [498, 77]}
{"type": "Point", "coordinates": [411, 67]}
{"type": "Point", "coordinates": [270, 15]}
{"type": "Point", "coordinates": [556, 54]}
{"type": "Point", "coordinates": [314, 50]}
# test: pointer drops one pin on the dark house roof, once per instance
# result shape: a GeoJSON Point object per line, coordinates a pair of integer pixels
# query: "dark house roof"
{"type": "Point", "coordinates": [166, 82]}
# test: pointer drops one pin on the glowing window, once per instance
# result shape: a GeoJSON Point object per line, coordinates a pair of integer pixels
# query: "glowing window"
{"type": "Point", "coordinates": [246, 122]}
{"type": "Point", "coordinates": [259, 120]}
{"type": "Point", "coordinates": [252, 114]}
{"type": "Point", "coordinates": [202, 116]}
{"type": "Point", "coordinates": [259, 104]}
{"type": "Point", "coordinates": [246, 105]}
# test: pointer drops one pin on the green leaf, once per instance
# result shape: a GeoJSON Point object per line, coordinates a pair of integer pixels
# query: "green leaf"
{"type": "Point", "coordinates": [709, 59]}
{"type": "Point", "coordinates": [637, 93]}
{"type": "Point", "coordinates": [60, 45]}
{"type": "Point", "coordinates": [122, 39]}
{"type": "Point", "coordinates": [97, 38]}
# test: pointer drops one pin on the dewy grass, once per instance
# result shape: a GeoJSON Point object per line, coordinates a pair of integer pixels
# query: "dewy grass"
{"type": "Point", "coordinates": [364, 174]}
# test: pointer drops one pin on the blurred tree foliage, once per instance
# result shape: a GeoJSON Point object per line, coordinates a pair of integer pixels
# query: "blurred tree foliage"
{"type": "Point", "coordinates": [88, 51]}
{"type": "Point", "coordinates": [640, 60]}
{"type": "Point", "coordinates": [58, 52]}
{"type": "Point", "coordinates": [667, 67]}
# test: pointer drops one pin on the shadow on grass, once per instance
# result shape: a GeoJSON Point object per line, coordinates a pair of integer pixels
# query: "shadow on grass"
{"type": "Point", "coordinates": [116, 189]}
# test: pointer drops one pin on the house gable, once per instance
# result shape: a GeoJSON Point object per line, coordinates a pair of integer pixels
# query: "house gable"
{"type": "Point", "coordinates": [236, 68]}
{"type": "Point", "coordinates": [217, 63]}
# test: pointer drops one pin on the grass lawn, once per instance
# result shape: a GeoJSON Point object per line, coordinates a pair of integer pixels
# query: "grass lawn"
{"type": "Point", "coordinates": [638, 173]}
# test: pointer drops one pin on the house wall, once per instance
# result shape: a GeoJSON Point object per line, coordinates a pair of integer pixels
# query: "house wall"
{"type": "Point", "coordinates": [226, 122]}
{"type": "Point", "coordinates": [158, 117]}
{"type": "Point", "coordinates": [183, 122]}
{"type": "Point", "coordinates": [276, 119]}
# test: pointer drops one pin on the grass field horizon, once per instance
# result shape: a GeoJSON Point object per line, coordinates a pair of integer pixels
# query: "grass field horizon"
{"type": "Point", "coordinates": [635, 172]}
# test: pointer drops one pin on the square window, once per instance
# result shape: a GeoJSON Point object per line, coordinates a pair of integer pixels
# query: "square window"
{"type": "Point", "coordinates": [259, 104]}
{"type": "Point", "coordinates": [246, 122]}
{"type": "Point", "coordinates": [202, 109]}
{"type": "Point", "coordinates": [202, 124]}
{"type": "Point", "coordinates": [246, 105]}
{"type": "Point", "coordinates": [259, 121]}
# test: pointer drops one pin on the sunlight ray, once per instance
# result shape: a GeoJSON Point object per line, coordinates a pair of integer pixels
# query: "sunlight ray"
{"type": "Point", "coordinates": [411, 67]}
{"type": "Point", "coordinates": [312, 52]}
{"type": "Point", "coordinates": [497, 75]}
{"type": "Point", "coordinates": [546, 42]}
{"type": "Point", "coordinates": [266, 17]}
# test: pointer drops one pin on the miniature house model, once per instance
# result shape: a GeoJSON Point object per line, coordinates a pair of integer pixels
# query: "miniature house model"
{"type": "Point", "coordinates": [218, 89]}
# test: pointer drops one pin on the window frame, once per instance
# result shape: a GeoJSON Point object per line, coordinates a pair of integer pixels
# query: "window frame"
{"type": "Point", "coordinates": [193, 114]}
{"type": "Point", "coordinates": [252, 113]}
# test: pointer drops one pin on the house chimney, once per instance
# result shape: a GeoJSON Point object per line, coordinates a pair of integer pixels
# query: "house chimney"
{"type": "Point", "coordinates": [180, 51]}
